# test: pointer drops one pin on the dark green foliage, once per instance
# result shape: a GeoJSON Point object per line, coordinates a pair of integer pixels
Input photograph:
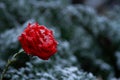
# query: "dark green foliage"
{"type": "Point", "coordinates": [87, 41]}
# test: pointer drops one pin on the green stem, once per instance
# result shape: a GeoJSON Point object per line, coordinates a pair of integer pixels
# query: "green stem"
{"type": "Point", "coordinates": [9, 63]}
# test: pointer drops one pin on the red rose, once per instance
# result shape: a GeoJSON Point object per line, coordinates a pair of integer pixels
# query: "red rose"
{"type": "Point", "coordinates": [39, 41]}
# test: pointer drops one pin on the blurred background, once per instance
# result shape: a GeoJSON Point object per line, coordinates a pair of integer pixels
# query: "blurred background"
{"type": "Point", "coordinates": [88, 32]}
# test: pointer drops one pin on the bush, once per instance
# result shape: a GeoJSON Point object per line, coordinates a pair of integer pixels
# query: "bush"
{"type": "Point", "coordinates": [88, 42]}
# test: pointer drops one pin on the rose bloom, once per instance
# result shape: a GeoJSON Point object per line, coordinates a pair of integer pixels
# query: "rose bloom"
{"type": "Point", "coordinates": [37, 40]}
